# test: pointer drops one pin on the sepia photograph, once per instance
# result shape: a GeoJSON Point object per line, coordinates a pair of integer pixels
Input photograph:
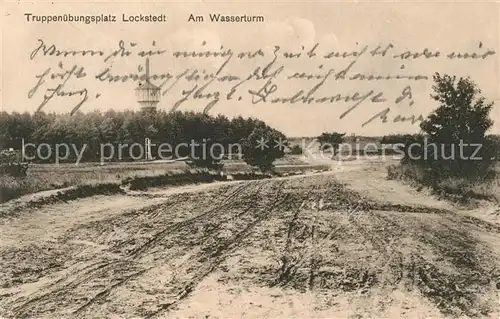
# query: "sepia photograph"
{"type": "Point", "coordinates": [236, 159]}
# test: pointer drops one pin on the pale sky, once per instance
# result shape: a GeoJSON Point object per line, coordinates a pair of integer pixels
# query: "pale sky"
{"type": "Point", "coordinates": [336, 26]}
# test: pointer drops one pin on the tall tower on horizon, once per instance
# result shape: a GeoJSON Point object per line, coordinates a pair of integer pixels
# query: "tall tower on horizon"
{"type": "Point", "coordinates": [148, 95]}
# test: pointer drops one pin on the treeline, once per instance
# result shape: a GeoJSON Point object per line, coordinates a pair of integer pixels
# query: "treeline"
{"type": "Point", "coordinates": [119, 128]}
{"type": "Point", "coordinates": [404, 140]}
{"type": "Point", "coordinates": [491, 143]}
{"type": "Point", "coordinates": [397, 138]}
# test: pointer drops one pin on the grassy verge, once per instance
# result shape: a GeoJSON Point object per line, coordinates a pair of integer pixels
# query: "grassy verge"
{"type": "Point", "coordinates": [79, 191]}
{"type": "Point", "coordinates": [186, 178]}
{"type": "Point", "coordinates": [76, 192]}
{"type": "Point", "coordinates": [456, 189]}
{"type": "Point", "coordinates": [138, 175]}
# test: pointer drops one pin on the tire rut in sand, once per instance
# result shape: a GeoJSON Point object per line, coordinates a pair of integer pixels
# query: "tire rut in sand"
{"type": "Point", "coordinates": [351, 245]}
{"type": "Point", "coordinates": [217, 254]}
{"type": "Point", "coordinates": [294, 258]}
{"type": "Point", "coordinates": [26, 307]}
{"type": "Point", "coordinates": [95, 273]}
{"type": "Point", "coordinates": [455, 291]}
{"type": "Point", "coordinates": [445, 262]}
{"type": "Point", "coordinates": [225, 203]}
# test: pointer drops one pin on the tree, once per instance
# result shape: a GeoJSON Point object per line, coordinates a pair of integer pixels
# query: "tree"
{"type": "Point", "coordinates": [260, 148]}
{"type": "Point", "coordinates": [13, 128]}
{"type": "Point", "coordinates": [456, 126]}
{"type": "Point", "coordinates": [331, 140]}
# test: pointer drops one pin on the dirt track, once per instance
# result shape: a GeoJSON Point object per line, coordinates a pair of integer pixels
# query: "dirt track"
{"type": "Point", "coordinates": [304, 247]}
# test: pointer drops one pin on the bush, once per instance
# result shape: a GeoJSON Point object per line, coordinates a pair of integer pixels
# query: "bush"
{"type": "Point", "coordinates": [258, 149]}
{"type": "Point", "coordinates": [394, 172]}
{"type": "Point", "coordinates": [14, 169]}
{"type": "Point", "coordinates": [457, 189]}
{"type": "Point", "coordinates": [11, 165]}
{"type": "Point", "coordinates": [296, 150]}
{"type": "Point", "coordinates": [452, 133]}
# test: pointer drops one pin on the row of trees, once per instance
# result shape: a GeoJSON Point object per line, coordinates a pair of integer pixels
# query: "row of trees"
{"type": "Point", "coordinates": [447, 145]}
{"type": "Point", "coordinates": [126, 128]}
{"type": "Point", "coordinates": [396, 138]}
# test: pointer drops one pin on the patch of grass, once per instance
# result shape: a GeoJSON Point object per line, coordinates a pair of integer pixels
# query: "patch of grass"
{"type": "Point", "coordinates": [11, 187]}
{"type": "Point", "coordinates": [171, 178]}
{"type": "Point", "coordinates": [300, 168]}
{"type": "Point", "coordinates": [79, 191]}
{"type": "Point", "coordinates": [186, 178]}
{"type": "Point", "coordinates": [44, 177]}
{"type": "Point", "coordinates": [73, 193]}
{"type": "Point", "coordinates": [37, 181]}
{"type": "Point", "coordinates": [457, 189]}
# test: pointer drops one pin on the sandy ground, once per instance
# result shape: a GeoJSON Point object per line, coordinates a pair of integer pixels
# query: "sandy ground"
{"type": "Point", "coordinates": [344, 244]}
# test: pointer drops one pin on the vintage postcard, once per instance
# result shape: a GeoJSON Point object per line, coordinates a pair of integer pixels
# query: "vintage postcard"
{"type": "Point", "coordinates": [264, 159]}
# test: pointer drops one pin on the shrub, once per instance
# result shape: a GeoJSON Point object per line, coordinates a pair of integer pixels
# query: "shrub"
{"type": "Point", "coordinates": [453, 131]}
{"type": "Point", "coordinates": [14, 169]}
{"type": "Point", "coordinates": [296, 150]}
{"type": "Point", "coordinates": [258, 149]}
{"type": "Point", "coordinates": [10, 164]}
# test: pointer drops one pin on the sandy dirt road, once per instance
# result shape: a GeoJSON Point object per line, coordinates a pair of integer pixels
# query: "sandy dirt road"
{"type": "Point", "coordinates": [303, 247]}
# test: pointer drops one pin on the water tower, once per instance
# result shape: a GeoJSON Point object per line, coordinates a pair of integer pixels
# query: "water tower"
{"type": "Point", "coordinates": [148, 94]}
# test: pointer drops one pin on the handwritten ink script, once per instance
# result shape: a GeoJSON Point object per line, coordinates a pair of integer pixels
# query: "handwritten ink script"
{"type": "Point", "coordinates": [366, 76]}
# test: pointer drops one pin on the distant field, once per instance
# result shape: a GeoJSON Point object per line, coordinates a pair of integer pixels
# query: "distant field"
{"type": "Point", "coordinates": [43, 177]}
{"type": "Point", "coordinates": [361, 145]}
{"type": "Point", "coordinates": [127, 168]}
